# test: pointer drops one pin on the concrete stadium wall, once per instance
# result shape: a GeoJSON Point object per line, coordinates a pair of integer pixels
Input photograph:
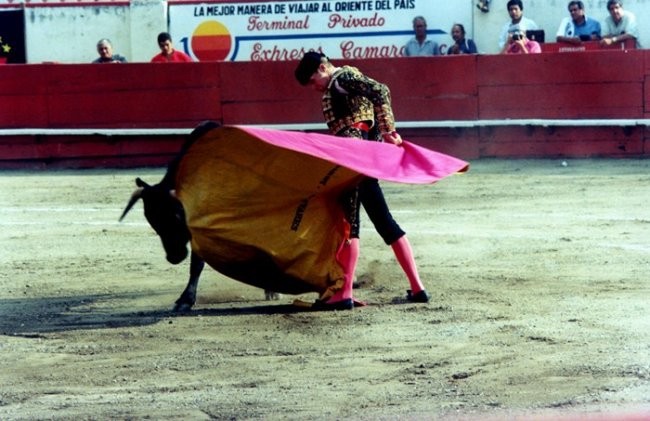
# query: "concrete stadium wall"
{"type": "Point", "coordinates": [427, 93]}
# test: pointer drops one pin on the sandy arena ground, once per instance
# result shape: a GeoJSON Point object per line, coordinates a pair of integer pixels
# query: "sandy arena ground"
{"type": "Point", "coordinates": [541, 308]}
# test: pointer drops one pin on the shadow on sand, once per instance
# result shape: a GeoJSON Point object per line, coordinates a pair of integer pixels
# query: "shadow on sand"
{"type": "Point", "coordinates": [32, 317]}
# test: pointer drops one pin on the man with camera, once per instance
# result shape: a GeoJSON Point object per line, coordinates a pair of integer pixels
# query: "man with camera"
{"type": "Point", "coordinates": [518, 43]}
{"type": "Point", "coordinates": [517, 20]}
{"type": "Point", "coordinates": [578, 27]}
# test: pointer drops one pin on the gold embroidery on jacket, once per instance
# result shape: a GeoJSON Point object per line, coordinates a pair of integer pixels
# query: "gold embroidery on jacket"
{"type": "Point", "coordinates": [352, 97]}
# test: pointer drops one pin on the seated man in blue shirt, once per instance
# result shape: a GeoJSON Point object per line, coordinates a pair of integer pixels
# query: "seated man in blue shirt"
{"type": "Point", "coordinates": [578, 27]}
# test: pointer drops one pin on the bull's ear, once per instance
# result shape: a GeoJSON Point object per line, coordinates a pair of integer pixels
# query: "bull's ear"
{"type": "Point", "coordinates": [140, 183]}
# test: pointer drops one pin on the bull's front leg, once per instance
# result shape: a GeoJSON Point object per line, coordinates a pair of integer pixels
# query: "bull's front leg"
{"type": "Point", "coordinates": [188, 297]}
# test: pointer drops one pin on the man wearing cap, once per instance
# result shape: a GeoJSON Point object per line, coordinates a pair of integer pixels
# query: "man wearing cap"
{"type": "Point", "coordinates": [355, 105]}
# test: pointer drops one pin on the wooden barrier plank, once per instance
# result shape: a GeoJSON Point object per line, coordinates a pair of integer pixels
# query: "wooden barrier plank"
{"type": "Point", "coordinates": [275, 81]}
{"type": "Point", "coordinates": [173, 107]}
{"type": "Point", "coordinates": [271, 112]}
{"type": "Point", "coordinates": [565, 47]}
{"type": "Point", "coordinates": [606, 100]}
{"type": "Point", "coordinates": [68, 147]}
{"type": "Point", "coordinates": [151, 145]}
{"type": "Point", "coordinates": [505, 134]}
{"type": "Point", "coordinates": [76, 78]}
{"type": "Point", "coordinates": [436, 96]}
{"type": "Point", "coordinates": [576, 142]}
{"type": "Point", "coordinates": [23, 91]}
{"type": "Point", "coordinates": [22, 79]}
{"type": "Point", "coordinates": [86, 163]}
{"type": "Point", "coordinates": [577, 149]}
{"type": "Point", "coordinates": [174, 95]}
{"type": "Point", "coordinates": [427, 109]}
{"type": "Point", "coordinates": [559, 68]}
{"type": "Point", "coordinates": [462, 143]}
{"type": "Point", "coordinates": [17, 147]}
{"type": "Point", "coordinates": [261, 81]}
{"type": "Point", "coordinates": [646, 61]}
{"type": "Point", "coordinates": [431, 88]}
{"type": "Point", "coordinates": [293, 112]}
{"type": "Point", "coordinates": [23, 110]}
{"type": "Point", "coordinates": [440, 76]}
{"type": "Point", "coordinates": [646, 95]}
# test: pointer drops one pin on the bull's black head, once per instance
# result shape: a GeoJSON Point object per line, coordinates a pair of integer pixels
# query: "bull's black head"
{"type": "Point", "coordinates": [165, 214]}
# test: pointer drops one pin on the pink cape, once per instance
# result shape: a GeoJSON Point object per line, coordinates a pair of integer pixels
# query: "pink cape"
{"type": "Point", "coordinates": [408, 163]}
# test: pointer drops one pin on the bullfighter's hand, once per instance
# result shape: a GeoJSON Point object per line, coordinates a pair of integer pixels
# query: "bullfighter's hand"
{"type": "Point", "coordinates": [392, 137]}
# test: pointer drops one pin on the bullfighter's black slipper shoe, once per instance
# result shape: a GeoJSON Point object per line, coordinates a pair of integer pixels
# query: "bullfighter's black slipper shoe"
{"type": "Point", "coordinates": [320, 305]}
{"type": "Point", "coordinates": [420, 297]}
{"type": "Point", "coordinates": [347, 304]}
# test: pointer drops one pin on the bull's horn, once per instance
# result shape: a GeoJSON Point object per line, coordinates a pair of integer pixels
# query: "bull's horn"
{"type": "Point", "coordinates": [137, 194]}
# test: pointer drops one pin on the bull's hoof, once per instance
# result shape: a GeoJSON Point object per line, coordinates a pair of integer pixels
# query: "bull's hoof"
{"type": "Point", "coordinates": [183, 307]}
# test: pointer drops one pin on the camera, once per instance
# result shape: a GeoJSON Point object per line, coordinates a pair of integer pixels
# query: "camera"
{"type": "Point", "coordinates": [517, 36]}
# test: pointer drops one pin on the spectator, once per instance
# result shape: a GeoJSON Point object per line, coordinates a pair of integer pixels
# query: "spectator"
{"type": "Point", "coordinates": [518, 43]}
{"type": "Point", "coordinates": [578, 27]}
{"type": "Point", "coordinates": [167, 52]}
{"type": "Point", "coordinates": [517, 19]}
{"type": "Point", "coordinates": [461, 44]}
{"type": "Point", "coordinates": [620, 25]}
{"type": "Point", "coordinates": [105, 50]}
{"type": "Point", "coordinates": [483, 5]}
{"type": "Point", "coordinates": [420, 45]}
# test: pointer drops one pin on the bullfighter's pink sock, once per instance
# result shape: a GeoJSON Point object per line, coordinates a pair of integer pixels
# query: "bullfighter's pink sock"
{"type": "Point", "coordinates": [347, 257]}
{"type": "Point", "coordinates": [404, 254]}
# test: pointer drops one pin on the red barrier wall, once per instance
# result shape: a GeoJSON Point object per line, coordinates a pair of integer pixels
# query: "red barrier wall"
{"type": "Point", "coordinates": [560, 86]}
{"type": "Point", "coordinates": [589, 85]}
{"type": "Point", "coordinates": [109, 96]}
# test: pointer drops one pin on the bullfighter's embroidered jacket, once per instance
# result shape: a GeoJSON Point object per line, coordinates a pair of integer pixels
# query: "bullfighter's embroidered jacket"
{"type": "Point", "coordinates": [352, 97]}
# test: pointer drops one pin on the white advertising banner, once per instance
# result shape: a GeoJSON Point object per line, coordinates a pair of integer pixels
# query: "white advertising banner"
{"type": "Point", "coordinates": [271, 31]}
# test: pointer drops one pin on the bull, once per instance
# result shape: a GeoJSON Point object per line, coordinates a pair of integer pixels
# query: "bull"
{"type": "Point", "coordinates": [166, 216]}
{"type": "Point", "coordinates": [270, 208]}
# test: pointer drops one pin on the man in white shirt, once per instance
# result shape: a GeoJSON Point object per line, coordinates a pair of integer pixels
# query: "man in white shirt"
{"type": "Point", "coordinates": [620, 25]}
{"type": "Point", "coordinates": [517, 21]}
{"type": "Point", "coordinates": [420, 45]}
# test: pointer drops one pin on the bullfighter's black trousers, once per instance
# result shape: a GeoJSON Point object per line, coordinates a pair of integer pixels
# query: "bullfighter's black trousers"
{"type": "Point", "coordinates": [370, 195]}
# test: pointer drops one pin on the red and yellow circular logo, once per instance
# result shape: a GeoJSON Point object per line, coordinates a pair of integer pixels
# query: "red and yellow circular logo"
{"type": "Point", "coordinates": [211, 41]}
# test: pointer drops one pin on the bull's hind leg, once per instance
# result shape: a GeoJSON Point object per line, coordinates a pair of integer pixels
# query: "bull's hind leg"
{"type": "Point", "coordinates": [271, 296]}
{"type": "Point", "coordinates": [188, 297]}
